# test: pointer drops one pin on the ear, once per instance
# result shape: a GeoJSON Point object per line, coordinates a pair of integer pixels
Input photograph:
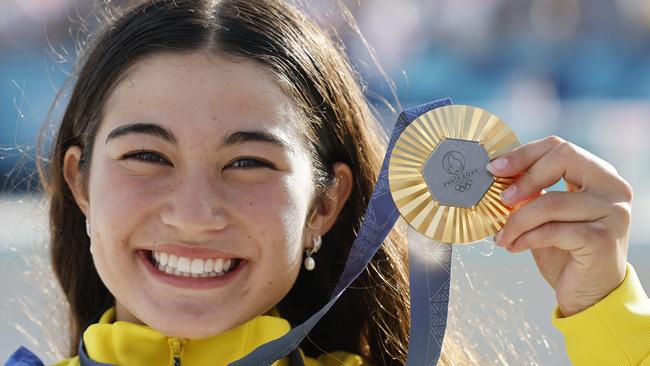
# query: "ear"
{"type": "Point", "coordinates": [73, 177]}
{"type": "Point", "coordinates": [327, 208]}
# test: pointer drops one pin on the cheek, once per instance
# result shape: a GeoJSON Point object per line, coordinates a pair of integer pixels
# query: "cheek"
{"type": "Point", "coordinates": [280, 243]}
{"type": "Point", "coordinates": [118, 205]}
{"type": "Point", "coordinates": [118, 198]}
{"type": "Point", "coordinates": [277, 217]}
{"type": "Point", "coordinates": [110, 228]}
{"type": "Point", "coordinates": [276, 214]}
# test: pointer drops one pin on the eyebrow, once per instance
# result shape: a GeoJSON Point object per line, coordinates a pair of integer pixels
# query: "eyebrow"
{"type": "Point", "coordinates": [234, 138]}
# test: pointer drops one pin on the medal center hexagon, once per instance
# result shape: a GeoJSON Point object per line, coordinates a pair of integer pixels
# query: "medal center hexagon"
{"type": "Point", "coordinates": [456, 173]}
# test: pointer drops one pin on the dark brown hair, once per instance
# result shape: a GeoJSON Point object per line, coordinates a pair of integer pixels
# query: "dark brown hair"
{"type": "Point", "coordinates": [371, 318]}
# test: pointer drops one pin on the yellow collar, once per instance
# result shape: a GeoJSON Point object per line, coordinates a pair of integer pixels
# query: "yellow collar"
{"type": "Point", "coordinates": [124, 343]}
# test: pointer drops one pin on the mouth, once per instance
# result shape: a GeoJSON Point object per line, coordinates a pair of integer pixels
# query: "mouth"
{"type": "Point", "coordinates": [192, 267]}
{"type": "Point", "coordinates": [191, 272]}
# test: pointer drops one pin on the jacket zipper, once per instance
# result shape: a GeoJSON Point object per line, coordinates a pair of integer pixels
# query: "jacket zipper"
{"type": "Point", "coordinates": [176, 347]}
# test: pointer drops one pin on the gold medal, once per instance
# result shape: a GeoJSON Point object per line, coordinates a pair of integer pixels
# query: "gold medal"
{"type": "Point", "coordinates": [438, 177]}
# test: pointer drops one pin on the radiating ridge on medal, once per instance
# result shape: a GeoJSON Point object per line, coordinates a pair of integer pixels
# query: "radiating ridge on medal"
{"type": "Point", "coordinates": [438, 177]}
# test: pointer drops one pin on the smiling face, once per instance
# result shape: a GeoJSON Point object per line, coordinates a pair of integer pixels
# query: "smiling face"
{"type": "Point", "coordinates": [222, 176]}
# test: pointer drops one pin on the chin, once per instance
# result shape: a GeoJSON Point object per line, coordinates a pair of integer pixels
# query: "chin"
{"type": "Point", "coordinates": [196, 327]}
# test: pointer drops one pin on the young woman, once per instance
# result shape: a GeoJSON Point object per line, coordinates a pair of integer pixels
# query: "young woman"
{"type": "Point", "coordinates": [210, 147]}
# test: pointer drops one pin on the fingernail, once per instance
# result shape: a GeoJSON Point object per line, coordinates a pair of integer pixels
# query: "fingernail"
{"type": "Point", "coordinates": [497, 165]}
{"type": "Point", "coordinates": [509, 193]}
{"type": "Point", "coordinates": [498, 237]}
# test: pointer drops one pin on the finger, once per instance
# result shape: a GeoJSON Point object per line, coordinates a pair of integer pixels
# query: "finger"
{"type": "Point", "coordinates": [577, 166]}
{"type": "Point", "coordinates": [575, 237]}
{"type": "Point", "coordinates": [522, 157]}
{"type": "Point", "coordinates": [524, 200]}
{"type": "Point", "coordinates": [552, 206]}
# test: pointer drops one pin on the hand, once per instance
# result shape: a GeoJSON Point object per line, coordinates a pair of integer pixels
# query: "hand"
{"type": "Point", "coordinates": [578, 238]}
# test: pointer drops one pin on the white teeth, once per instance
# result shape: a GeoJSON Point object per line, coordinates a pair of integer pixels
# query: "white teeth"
{"type": "Point", "coordinates": [183, 264]}
{"type": "Point", "coordinates": [226, 265]}
{"type": "Point", "coordinates": [218, 265]}
{"type": "Point", "coordinates": [208, 266]}
{"type": "Point", "coordinates": [173, 261]}
{"type": "Point", "coordinates": [192, 267]}
{"type": "Point", "coordinates": [197, 266]}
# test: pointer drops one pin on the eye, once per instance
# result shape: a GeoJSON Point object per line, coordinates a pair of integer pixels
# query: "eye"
{"type": "Point", "coordinates": [249, 163]}
{"type": "Point", "coordinates": [146, 156]}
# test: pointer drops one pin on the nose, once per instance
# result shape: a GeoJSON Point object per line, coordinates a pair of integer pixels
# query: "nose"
{"type": "Point", "coordinates": [195, 206]}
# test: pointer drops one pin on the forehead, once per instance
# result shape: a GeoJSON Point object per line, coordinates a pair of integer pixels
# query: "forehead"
{"type": "Point", "coordinates": [201, 94]}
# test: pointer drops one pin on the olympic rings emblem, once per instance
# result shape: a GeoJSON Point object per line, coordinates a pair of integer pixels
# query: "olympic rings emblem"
{"type": "Point", "coordinates": [463, 186]}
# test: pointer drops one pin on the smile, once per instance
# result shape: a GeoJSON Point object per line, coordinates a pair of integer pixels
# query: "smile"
{"type": "Point", "coordinates": [192, 267]}
{"type": "Point", "coordinates": [183, 271]}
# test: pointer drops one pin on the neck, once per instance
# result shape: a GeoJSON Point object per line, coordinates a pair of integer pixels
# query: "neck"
{"type": "Point", "coordinates": [123, 314]}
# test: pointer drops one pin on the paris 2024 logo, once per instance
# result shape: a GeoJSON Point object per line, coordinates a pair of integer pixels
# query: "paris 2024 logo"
{"type": "Point", "coordinates": [453, 162]}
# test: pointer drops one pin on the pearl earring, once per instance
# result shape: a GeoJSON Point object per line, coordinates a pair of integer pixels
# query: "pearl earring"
{"type": "Point", "coordinates": [87, 228]}
{"type": "Point", "coordinates": [310, 263]}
